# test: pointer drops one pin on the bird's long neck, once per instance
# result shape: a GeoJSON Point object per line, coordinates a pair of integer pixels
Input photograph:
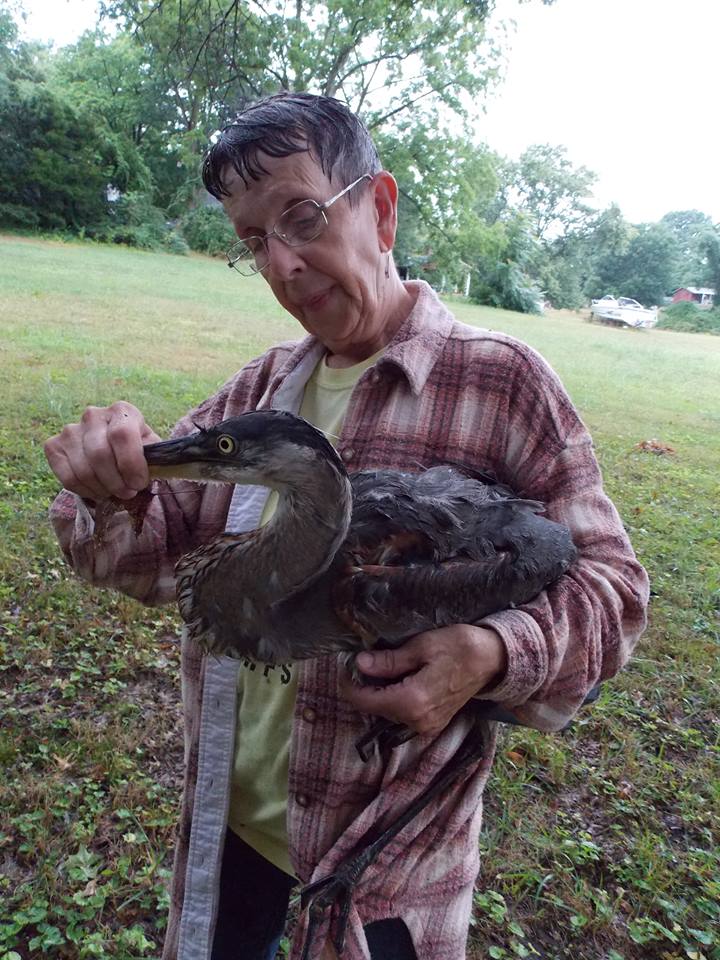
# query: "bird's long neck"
{"type": "Point", "coordinates": [309, 525]}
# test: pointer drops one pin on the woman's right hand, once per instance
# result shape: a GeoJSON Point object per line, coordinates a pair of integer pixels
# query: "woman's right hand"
{"type": "Point", "coordinates": [101, 456]}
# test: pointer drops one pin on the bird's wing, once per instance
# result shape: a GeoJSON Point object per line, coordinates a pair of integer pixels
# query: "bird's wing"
{"type": "Point", "coordinates": [445, 556]}
{"type": "Point", "coordinates": [427, 517]}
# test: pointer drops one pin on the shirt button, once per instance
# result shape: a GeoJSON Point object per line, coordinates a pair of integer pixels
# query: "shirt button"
{"type": "Point", "coordinates": [309, 715]}
{"type": "Point", "coordinates": [348, 453]}
{"type": "Point", "coordinates": [303, 800]}
{"type": "Point", "coordinates": [375, 378]}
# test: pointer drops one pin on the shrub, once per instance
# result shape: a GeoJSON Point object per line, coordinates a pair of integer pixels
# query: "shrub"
{"type": "Point", "coordinates": [505, 278]}
{"type": "Point", "coordinates": [135, 222]}
{"type": "Point", "coordinates": [17, 216]}
{"type": "Point", "coordinates": [207, 230]}
{"type": "Point", "coordinates": [688, 317]}
{"type": "Point", "coordinates": [174, 243]}
{"type": "Point", "coordinates": [505, 285]}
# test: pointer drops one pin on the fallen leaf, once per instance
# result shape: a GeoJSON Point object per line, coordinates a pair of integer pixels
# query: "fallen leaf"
{"type": "Point", "coordinates": [656, 446]}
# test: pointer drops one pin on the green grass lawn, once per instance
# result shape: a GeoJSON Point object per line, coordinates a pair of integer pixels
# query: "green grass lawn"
{"type": "Point", "coordinates": [601, 842]}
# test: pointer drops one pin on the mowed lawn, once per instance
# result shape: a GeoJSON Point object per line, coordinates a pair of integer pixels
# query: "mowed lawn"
{"type": "Point", "coordinates": [600, 842]}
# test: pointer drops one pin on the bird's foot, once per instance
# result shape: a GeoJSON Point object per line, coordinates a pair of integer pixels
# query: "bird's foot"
{"type": "Point", "coordinates": [334, 892]}
{"type": "Point", "coordinates": [386, 734]}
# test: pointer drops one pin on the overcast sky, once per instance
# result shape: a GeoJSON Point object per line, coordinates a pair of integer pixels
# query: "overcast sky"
{"type": "Point", "coordinates": [628, 86]}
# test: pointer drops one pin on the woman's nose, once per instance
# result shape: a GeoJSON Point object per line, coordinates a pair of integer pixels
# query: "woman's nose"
{"type": "Point", "coordinates": [284, 261]}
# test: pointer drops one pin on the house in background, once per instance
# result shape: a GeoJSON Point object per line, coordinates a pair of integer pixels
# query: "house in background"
{"type": "Point", "coordinates": [702, 296]}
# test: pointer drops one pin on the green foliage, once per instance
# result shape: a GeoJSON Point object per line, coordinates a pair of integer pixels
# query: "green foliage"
{"type": "Point", "coordinates": [503, 280]}
{"type": "Point", "coordinates": [8, 36]}
{"type": "Point", "coordinates": [689, 317]}
{"type": "Point", "coordinates": [444, 182]}
{"type": "Point", "coordinates": [135, 110]}
{"type": "Point", "coordinates": [227, 54]}
{"type": "Point", "coordinates": [113, 82]}
{"type": "Point", "coordinates": [208, 230]}
{"type": "Point", "coordinates": [689, 227]}
{"type": "Point", "coordinates": [645, 271]}
{"type": "Point", "coordinates": [550, 191]}
{"type": "Point", "coordinates": [561, 278]}
{"type": "Point", "coordinates": [505, 285]}
{"type": "Point", "coordinates": [709, 243]}
{"type": "Point", "coordinates": [18, 60]}
{"type": "Point", "coordinates": [105, 79]}
{"type": "Point", "coordinates": [58, 154]}
{"type": "Point", "coordinates": [15, 216]}
{"type": "Point", "coordinates": [173, 242]}
{"type": "Point", "coordinates": [53, 162]}
{"type": "Point", "coordinates": [606, 242]}
{"type": "Point", "coordinates": [134, 221]}
{"type": "Point", "coordinates": [202, 61]}
{"type": "Point", "coordinates": [175, 71]}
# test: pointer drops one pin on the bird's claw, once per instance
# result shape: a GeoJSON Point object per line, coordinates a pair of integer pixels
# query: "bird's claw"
{"type": "Point", "coordinates": [365, 744]}
{"type": "Point", "coordinates": [317, 897]}
{"type": "Point", "coordinates": [386, 734]}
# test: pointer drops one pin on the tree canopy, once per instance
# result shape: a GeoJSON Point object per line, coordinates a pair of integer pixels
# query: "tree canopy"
{"type": "Point", "coordinates": [105, 137]}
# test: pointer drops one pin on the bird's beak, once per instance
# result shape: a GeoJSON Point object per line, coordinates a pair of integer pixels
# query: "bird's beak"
{"type": "Point", "coordinates": [172, 458]}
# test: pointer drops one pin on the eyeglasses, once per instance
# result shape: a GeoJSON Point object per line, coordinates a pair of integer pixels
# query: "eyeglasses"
{"type": "Point", "coordinates": [299, 224]}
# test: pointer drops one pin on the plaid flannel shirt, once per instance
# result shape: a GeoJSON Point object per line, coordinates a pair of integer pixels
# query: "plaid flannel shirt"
{"type": "Point", "coordinates": [442, 392]}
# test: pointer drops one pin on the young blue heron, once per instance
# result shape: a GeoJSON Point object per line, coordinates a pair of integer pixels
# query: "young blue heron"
{"type": "Point", "coordinates": [350, 563]}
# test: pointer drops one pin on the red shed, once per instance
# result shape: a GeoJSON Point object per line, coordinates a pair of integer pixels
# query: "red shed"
{"type": "Point", "coordinates": [703, 296]}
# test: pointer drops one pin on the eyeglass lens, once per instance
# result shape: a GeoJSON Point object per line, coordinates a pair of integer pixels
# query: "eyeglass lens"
{"type": "Point", "coordinates": [300, 224]}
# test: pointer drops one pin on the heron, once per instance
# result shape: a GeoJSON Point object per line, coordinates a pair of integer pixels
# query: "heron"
{"type": "Point", "coordinates": [347, 563]}
{"type": "Point", "coordinates": [350, 563]}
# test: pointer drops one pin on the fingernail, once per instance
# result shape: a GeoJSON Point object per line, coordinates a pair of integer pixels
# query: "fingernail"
{"type": "Point", "coordinates": [365, 661]}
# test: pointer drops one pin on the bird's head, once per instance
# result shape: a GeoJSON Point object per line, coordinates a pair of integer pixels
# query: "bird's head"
{"type": "Point", "coordinates": [267, 447]}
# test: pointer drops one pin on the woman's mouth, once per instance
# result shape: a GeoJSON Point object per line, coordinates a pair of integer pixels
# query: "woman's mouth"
{"type": "Point", "coordinates": [317, 300]}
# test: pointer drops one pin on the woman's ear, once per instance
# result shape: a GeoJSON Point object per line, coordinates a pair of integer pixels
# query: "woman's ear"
{"type": "Point", "coordinates": [386, 197]}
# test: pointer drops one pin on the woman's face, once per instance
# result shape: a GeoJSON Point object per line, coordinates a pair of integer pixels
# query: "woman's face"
{"type": "Point", "coordinates": [336, 285]}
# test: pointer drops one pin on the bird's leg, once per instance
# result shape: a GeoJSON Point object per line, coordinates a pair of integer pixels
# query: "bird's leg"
{"type": "Point", "coordinates": [337, 888]}
{"type": "Point", "coordinates": [385, 733]}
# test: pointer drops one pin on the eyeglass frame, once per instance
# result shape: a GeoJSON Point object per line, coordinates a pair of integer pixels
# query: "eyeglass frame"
{"type": "Point", "coordinates": [322, 207]}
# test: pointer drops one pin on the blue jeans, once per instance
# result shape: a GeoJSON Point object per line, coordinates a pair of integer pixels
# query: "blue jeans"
{"type": "Point", "coordinates": [254, 897]}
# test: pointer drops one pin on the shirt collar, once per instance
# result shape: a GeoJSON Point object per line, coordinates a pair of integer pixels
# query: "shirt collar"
{"type": "Point", "coordinates": [417, 345]}
{"type": "Point", "coordinates": [414, 349]}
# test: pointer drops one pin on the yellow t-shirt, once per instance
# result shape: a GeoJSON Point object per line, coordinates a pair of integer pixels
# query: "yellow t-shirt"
{"type": "Point", "coordinates": [266, 694]}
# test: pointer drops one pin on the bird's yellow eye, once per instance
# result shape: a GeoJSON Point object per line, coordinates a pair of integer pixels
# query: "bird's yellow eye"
{"type": "Point", "coordinates": [226, 444]}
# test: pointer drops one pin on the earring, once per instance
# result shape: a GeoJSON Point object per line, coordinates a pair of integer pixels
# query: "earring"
{"type": "Point", "coordinates": [387, 267]}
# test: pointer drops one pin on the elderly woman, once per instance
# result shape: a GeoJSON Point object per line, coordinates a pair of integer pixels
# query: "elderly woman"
{"type": "Point", "coordinates": [274, 792]}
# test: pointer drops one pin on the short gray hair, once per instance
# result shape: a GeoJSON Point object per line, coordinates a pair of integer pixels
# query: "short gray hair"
{"type": "Point", "coordinates": [290, 123]}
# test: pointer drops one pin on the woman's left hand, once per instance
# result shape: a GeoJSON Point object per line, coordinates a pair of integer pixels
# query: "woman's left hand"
{"type": "Point", "coordinates": [437, 673]}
